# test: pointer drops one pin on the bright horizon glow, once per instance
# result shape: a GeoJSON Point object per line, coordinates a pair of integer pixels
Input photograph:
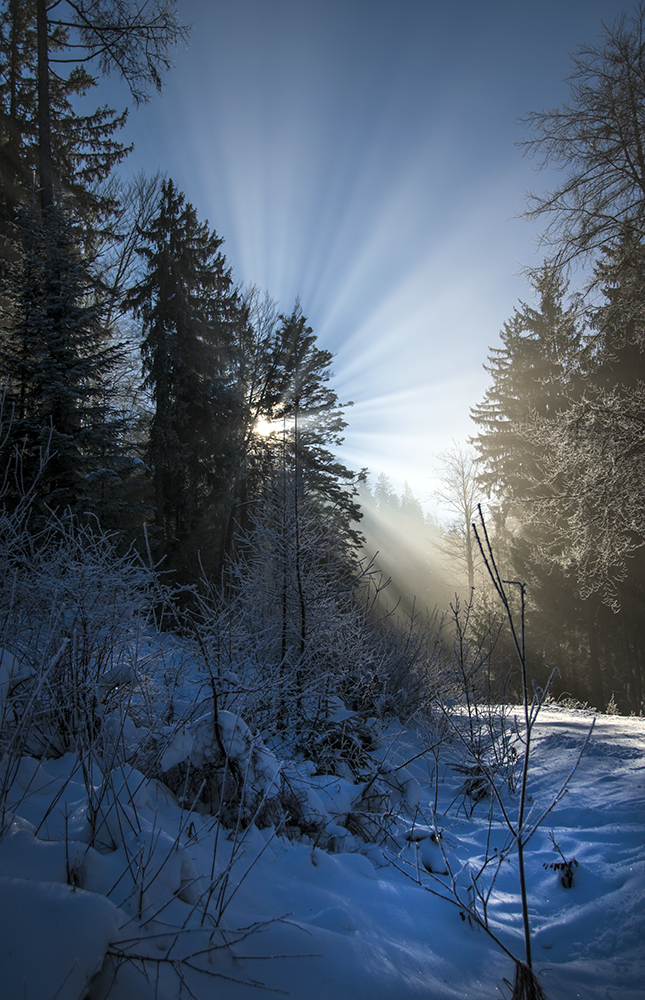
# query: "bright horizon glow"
{"type": "Point", "coordinates": [361, 157]}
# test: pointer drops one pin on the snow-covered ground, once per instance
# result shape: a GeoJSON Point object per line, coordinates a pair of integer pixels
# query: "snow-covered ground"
{"type": "Point", "coordinates": [166, 903]}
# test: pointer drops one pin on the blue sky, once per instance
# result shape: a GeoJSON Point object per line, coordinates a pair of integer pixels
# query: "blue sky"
{"type": "Point", "coordinates": [360, 154]}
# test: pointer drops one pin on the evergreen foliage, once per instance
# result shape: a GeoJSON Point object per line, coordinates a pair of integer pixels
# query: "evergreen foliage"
{"type": "Point", "coordinates": [57, 364]}
{"type": "Point", "coordinates": [411, 509]}
{"type": "Point", "coordinates": [305, 421]}
{"type": "Point", "coordinates": [560, 427]}
{"type": "Point", "coordinates": [231, 428]}
{"type": "Point", "coordinates": [240, 434]}
{"type": "Point", "coordinates": [307, 401]}
{"type": "Point", "coordinates": [406, 549]}
{"type": "Point", "coordinates": [190, 313]}
{"type": "Point", "coordinates": [83, 149]}
{"type": "Point", "coordinates": [560, 452]}
{"type": "Point", "coordinates": [615, 349]}
{"type": "Point", "coordinates": [385, 498]}
{"type": "Point", "coordinates": [534, 373]}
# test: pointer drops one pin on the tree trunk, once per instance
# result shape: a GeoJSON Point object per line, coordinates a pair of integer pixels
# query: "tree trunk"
{"type": "Point", "coordinates": [158, 466]}
{"type": "Point", "coordinates": [594, 659]}
{"type": "Point", "coordinates": [44, 111]}
{"type": "Point", "coordinates": [13, 128]}
{"type": "Point", "coordinates": [470, 557]}
{"type": "Point", "coordinates": [296, 516]}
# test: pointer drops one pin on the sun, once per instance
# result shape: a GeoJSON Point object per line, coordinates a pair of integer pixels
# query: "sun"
{"type": "Point", "coordinates": [264, 427]}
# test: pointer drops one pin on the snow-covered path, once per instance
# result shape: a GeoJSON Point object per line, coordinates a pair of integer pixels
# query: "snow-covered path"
{"type": "Point", "coordinates": [378, 936]}
{"type": "Point", "coordinates": [350, 925]}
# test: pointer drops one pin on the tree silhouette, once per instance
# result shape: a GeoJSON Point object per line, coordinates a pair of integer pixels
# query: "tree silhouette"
{"type": "Point", "coordinates": [190, 312]}
{"type": "Point", "coordinates": [597, 139]}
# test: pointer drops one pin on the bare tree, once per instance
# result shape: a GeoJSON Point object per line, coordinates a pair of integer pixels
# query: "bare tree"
{"type": "Point", "coordinates": [119, 263]}
{"type": "Point", "coordinates": [598, 139]}
{"type": "Point", "coordinates": [459, 492]}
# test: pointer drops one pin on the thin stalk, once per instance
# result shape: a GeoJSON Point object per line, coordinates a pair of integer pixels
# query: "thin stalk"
{"type": "Point", "coordinates": [519, 641]}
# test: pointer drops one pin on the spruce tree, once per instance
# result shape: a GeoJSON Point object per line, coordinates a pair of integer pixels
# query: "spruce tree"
{"type": "Point", "coordinates": [615, 349]}
{"type": "Point", "coordinates": [57, 364]}
{"type": "Point", "coordinates": [44, 132]}
{"type": "Point", "coordinates": [536, 373]}
{"type": "Point", "coordinates": [591, 498]}
{"type": "Point", "coordinates": [301, 501]}
{"type": "Point", "coordinates": [537, 377]}
{"type": "Point", "coordinates": [411, 510]}
{"type": "Point", "coordinates": [299, 542]}
{"type": "Point", "coordinates": [313, 424]}
{"type": "Point", "coordinates": [190, 313]}
{"type": "Point", "coordinates": [385, 498]}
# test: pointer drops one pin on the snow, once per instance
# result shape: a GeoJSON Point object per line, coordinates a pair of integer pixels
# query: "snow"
{"type": "Point", "coordinates": [108, 888]}
{"type": "Point", "coordinates": [53, 938]}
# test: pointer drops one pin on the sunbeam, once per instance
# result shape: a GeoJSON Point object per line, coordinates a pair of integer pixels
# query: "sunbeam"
{"type": "Point", "coordinates": [364, 162]}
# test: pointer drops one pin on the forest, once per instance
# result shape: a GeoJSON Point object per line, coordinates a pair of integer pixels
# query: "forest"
{"type": "Point", "coordinates": [195, 589]}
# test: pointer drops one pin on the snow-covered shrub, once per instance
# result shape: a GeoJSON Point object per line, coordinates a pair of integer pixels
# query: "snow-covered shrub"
{"type": "Point", "coordinates": [490, 759]}
{"type": "Point", "coordinates": [400, 672]}
{"type": "Point", "coordinates": [300, 640]}
{"type": "Point", "coordinates": [474, 703]}
{"type": "Point", "coordinates": [213, 763]}
{"type": "Point", "coordinates": [292, 623]}
{"type": "Point", "coordinates": [72, 612]}
{"type": "Point", "coordinates": [340, 742]}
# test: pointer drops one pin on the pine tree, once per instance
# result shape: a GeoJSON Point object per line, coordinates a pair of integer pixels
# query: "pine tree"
{"type": "Point", "coordinates": [534, 374]}
{"type": "Point", "coordinates": [537, 377]}
{"type": "Point", "coordinates": [411, 510]}
{"type": "Point", "coordinates": [44, 132]}
{"type": "Point", "coordinates": [299, 496]}
{"type": "Point", "coordinates": [297, 541]}
{"type": "Point", "coordinates": [312, 423]}
{"type": "Point", "coordinates": [615, 348]}
{"type": "Point", "coordinates": [385, 498]}
{"type": "Point", "coordinates": [190, 312]}
{"type": "Point", "coordinates": [17, 101]}
{"type": "Point", "coordinates": [129, 36]}
{"type": "Point", "coordinates": [57, 365]}
{"type": "Point", "coordinates": [591, 452]}
{"type": "Point", "coordinates": [588, 504]}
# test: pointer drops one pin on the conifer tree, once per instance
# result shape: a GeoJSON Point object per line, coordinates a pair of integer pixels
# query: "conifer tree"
{"type": "Point", "coordinates": [313, 422]}
{"type": "Point", "coordinates": [302, 509]}
{"type": "Point", "coordinates": [536, 378]}
{"type": "Point", "coordinates": [535, 373]}
{"type": "Point", "coordinates": [615, 348]}
{"type": "Point", "coordinates": [592, 448]}
{"type": "Point", "coordinates": [129, 36]}
{"type": "Point", "coordinates": [411, 510]}
{"type": "Point", "coordinates": [588, 504]}
{"type": "Point", "coordinates": [45, 134]}
{"type": "Point", "coordinates": [190, 313]}
{"type": "Point", "coordinates": [17, 102]}
{"type": "Point", "coordinates": [57, 365]}
{"type": "Point", "coordinates": [385, 498]}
